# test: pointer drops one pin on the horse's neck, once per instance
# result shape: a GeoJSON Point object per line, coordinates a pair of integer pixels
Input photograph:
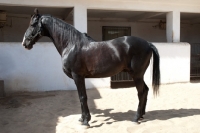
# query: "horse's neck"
{"type": "Point", "coordinates": [60, 34]}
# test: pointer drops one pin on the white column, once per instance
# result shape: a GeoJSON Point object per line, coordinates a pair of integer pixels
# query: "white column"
{"type": "Point", "coordinates": [80, 18]}
{"type": "Point", "coordinates": [173, 26]}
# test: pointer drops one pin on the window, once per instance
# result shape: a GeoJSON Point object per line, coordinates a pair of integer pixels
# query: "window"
{"type": "Point", "coordinates": [111, 32]}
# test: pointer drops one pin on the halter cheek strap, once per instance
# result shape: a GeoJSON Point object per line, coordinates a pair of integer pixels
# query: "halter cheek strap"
{"type": "Point", "coordinates": [38, 32]}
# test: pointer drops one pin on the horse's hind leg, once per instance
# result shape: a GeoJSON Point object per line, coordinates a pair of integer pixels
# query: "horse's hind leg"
{"type": "Point", "coordinates": [138, 68]}
{"type": "Point", "coordinates": [146, 89]}
{"type": "Point", "coordinates": [83, 113]}
{"type": "Point", "coordinates": [142, 96]}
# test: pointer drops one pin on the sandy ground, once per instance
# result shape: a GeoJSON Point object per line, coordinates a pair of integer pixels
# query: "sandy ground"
{"type": "Point", "coordinates": [175, 110]}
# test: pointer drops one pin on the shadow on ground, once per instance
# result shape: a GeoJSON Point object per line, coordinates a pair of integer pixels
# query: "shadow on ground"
{"type": "Point", "coordinates": [150, 115]}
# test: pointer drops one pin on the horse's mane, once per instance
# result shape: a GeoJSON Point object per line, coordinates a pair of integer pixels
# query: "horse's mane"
{"type": "Point", "coordinates": [69, 33]}
{"type": "Point", "coordinates": [89, 37]}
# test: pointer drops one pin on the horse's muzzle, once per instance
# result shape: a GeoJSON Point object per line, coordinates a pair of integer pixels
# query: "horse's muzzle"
{"type": "Point", "coordinates": [27, 46]}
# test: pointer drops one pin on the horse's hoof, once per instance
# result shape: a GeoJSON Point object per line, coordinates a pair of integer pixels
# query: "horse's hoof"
{"type": "Point", "coordinates": [136, 122]}
{"type": "Point", "coordinates": [81, 120]}
{"type": "Point", "coordinates": [85, 123]}
{"type": "Point", "coordinates": [143, 120]}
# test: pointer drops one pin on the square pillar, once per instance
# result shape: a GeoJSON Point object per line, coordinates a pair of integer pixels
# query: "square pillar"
{"type": "Point", "coordinates": [80, 18]}
{"type": "Point", "coordinates": [173, 26]}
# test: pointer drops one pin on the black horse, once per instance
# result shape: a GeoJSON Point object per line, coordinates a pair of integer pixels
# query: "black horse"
{"type": "Point", "coordinates": [82, 57]}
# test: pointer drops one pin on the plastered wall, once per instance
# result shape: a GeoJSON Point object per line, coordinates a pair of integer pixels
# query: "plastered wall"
{"type": "Point", "coordinates": [40, 69]}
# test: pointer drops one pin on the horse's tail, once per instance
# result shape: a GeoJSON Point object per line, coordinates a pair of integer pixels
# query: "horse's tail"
{"type": "Point", "coordinates": [156, 69]}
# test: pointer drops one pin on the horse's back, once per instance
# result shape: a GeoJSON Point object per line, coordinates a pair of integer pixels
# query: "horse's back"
{"type": "Point", "coordinates": [133, 45]}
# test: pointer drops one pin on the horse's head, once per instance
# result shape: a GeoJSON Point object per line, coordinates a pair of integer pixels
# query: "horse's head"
{"type": "Point", "coordinates": [34, 31]}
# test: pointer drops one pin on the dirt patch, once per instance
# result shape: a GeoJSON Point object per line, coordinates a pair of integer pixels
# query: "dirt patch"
{"type": "Point", "coordinates": [17, 100]}
{"type": "Point", "coordinates": [175, 110]}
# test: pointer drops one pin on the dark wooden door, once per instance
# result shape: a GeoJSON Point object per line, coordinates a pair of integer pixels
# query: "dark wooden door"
{"type": "Point", "coordinates": [122, 79]}
{"type": "Point", "coordinates": [195, 60]}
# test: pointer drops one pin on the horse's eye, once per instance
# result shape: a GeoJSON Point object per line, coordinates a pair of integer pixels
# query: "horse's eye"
{"type": "Point", "coordinates": [34, 22]}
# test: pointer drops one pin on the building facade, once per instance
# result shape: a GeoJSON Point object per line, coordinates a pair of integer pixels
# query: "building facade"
{"type": "Point", "coordinates": [171, 25]}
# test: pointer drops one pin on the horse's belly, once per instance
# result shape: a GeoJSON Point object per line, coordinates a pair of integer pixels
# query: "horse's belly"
{"type": "Point", "coordinates": [105, 71]}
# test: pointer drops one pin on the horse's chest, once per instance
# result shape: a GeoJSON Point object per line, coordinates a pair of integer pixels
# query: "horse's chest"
{"type": "Point", "coordinates": [68, 62]}
{"type": "Point", "coordinates": [71, 62]}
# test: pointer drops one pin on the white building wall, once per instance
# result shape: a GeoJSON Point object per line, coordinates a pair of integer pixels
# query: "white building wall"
{"type": "Point", "coordinates": [174, 63]}
{"type": "Point", "coordinates": [40, 69]}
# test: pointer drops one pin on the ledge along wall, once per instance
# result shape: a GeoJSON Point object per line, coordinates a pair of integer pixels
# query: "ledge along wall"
{"type": "Point", "coordinates": [40, 69]}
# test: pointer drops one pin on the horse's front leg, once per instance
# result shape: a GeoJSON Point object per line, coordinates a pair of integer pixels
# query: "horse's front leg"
{"type": "Point", "coordinates": [80, 84]}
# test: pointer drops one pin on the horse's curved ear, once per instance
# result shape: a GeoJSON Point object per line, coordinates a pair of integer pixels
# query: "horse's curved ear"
{"type": "Point", "coordinates": [36, 11]}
